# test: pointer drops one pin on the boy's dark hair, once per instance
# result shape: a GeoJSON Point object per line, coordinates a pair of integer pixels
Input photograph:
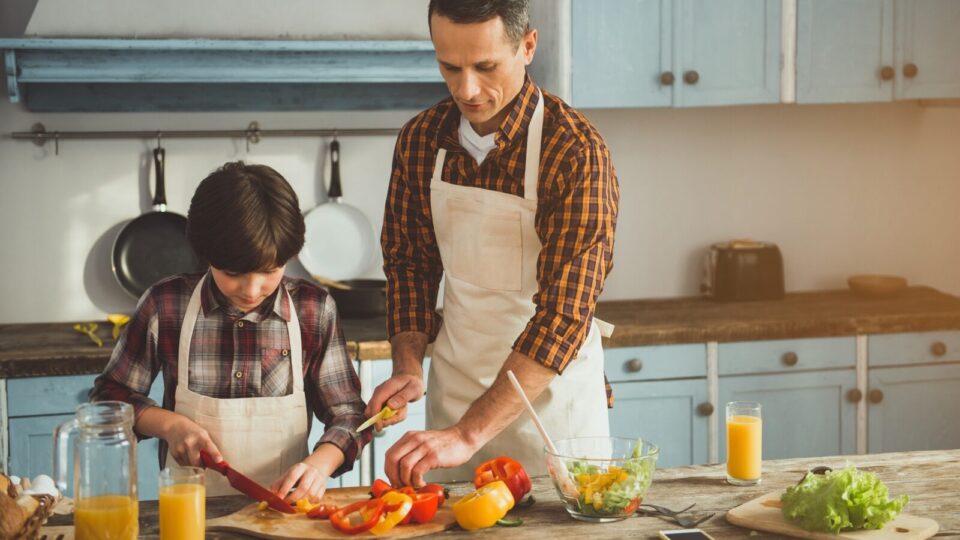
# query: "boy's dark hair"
{"type": "Point", "coordinates": [245, 218]}
{"type": "Point", "coordinates": [516, 20]}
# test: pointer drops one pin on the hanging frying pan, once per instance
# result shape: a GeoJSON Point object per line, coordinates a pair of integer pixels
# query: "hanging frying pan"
{"type": "Point", "coordinates": [153, 245]}
{"type": "Point", "coordinates": [339, 239]}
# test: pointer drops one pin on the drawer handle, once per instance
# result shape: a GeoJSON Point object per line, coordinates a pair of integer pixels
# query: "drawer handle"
{"type": "Point", "coordinates": [854, 395]}
{"type": "Point", "coordinates": [887, 73]}
{"type": "Point", "coordinates": [705, 409]}
{"type": "Point", "coordinates": [633, 366]}
{"type": "Point", "coordinates": [666, 78]}
{"type": "Point", "coordinates": [790, 359]}
{"type": "Point", "coordinates": [910, 71]}
{"type": "Point", "coordinates": [938, 348]}
{"type": "Point", "coordinates": [876, 396]}
{"type": "Point", "coordinates": [691, 77]}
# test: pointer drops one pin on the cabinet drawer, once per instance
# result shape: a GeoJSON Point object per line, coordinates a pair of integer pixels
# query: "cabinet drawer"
{"type": "Point", "coordinates": [787, 355]}
{"type": "Point", "coordinates": [47, 395]}
{"type": "Point", "coordinates": [655, 362]}
{"type": "Point", "coordinates": [915, 348]}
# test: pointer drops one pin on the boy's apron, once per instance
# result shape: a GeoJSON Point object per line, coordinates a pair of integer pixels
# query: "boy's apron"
{"type": "Point", "coordinates": [489, 247]}
{"type": "Point", "coordinates": [260, 437]}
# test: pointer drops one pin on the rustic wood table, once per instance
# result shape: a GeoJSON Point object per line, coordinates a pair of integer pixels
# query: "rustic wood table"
{"type": "Point", "coordinates": [931, 479]}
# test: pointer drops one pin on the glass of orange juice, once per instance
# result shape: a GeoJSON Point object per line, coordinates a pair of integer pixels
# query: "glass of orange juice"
{"type": "Point", "coordinates": [744, 443]}
{"type": "Point", "coordinates": [183, 503]}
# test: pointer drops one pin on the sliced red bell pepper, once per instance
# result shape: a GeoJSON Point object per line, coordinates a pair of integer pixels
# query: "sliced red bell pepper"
{"type": "Point", "coordinates": [322, 511]}
{"type": "Point", "coordinates": [379, 487]}
{"type": "Point", "coordinates": [442, 493]}
{"type": "Point", "coordinates": [424, 508]}
{"type": "Point", "coordinates": [369, 515]}
{"type": "Point", "coordinates": [506, 469]}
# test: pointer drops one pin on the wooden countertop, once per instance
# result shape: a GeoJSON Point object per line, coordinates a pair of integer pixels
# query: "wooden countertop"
{"type": "Point", "coordinates": [929, 478]}
{"type": "Point", "coordinates": [30, 350]}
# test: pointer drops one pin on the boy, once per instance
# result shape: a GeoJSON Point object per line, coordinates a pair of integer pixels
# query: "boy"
{"type": "Point", "coordinates": [245, 352]}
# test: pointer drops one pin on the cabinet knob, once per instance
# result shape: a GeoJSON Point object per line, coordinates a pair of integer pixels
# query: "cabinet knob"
{"type": "Point", "coordinates": [854, 395]}
{"type": "Point", "coordinates": [705, 409]}
{"type": "Point", "coordinates": [691, 77]}
{"type": "Point", "coordinates": [790, 359]}
{"type": "Point", "coordinates": [887, 73]}
{"type": "Point", "coordinates": [938, 348]}
{"type": "Point", "coordinates": [876, 396]}
{"type": "Point", "coordinates": [666, 78]}
{"type": "Point", "coordinates": [910, 71]}
{"type": "Point", "coordinates": [633, 366]}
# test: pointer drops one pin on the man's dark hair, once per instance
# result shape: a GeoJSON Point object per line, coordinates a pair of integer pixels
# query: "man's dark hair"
{"type": "Point", "coordinates": [516, 20]}
{"type": "Point", "coordinates": [245, 218]}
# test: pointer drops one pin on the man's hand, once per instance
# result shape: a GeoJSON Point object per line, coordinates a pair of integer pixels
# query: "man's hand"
{"type": "Point", "coordinates": [420, 451]}
{"type": "Point", "coordinates": [395, 392]}
{"type": "Point", "coordinates": [185, 439]}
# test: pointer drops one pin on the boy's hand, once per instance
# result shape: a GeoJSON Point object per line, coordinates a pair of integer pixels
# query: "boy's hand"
{"type": "Point", "coordinates": [311, 483]}
{"type": "Point", "coordinates": [185, 439]}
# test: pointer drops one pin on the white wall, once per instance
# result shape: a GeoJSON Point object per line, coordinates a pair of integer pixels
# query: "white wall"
{"type": "Point", "coordinates": [841, 189]}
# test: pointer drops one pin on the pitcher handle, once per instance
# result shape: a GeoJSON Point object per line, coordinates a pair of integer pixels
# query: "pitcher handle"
{"type": "Point", "coordinates": [61, 452]}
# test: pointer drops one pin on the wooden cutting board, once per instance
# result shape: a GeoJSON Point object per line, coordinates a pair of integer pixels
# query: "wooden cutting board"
{"type": "Point", "coordinates": [763, 514]}
{"type": "Point", "coordinates": [275, 525]}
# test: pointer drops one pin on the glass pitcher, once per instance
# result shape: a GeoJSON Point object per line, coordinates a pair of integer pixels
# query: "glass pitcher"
{"type": "Point", "coordinates": [104, 470]}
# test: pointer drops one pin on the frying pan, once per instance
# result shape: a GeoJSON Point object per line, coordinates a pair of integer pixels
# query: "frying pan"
{"type": "Point", "coordinates": [154, 245]}
{"type": "Point", "coordinates": [339, 238]}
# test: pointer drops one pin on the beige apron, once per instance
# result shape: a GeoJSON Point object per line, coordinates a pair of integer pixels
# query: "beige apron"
{"type": "Point", "coordinates": [260, 437]}
{"type": "Point", "coordinates": [489, 247]}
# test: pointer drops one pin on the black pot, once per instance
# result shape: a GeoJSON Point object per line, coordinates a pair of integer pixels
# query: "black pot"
{"type": "Point", "coordinates": [364, 298]}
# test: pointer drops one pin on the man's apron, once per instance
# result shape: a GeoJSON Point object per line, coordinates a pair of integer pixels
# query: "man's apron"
{"type": "Point", "coordinates": [489, 247]}
{"type": "Point", "coordinates": [261, 437]}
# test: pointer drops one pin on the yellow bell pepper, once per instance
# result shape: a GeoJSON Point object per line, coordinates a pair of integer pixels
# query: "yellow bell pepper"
{"type": "Point", "coordinates": [484, 507]}
{"type": "Point", "coordinates": [304, 506]}
{"type": "Point", "coordinates": [390, 519]}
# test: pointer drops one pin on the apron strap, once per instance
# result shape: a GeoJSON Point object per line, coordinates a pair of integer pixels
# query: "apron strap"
{"type": "Point", "coordinates": [534, 138]}
{"type": "Point", "coordinates": [438, 165]}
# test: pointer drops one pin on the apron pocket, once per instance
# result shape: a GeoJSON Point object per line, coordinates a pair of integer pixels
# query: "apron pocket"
{"type": "Point", "coordinates": [488, 245]}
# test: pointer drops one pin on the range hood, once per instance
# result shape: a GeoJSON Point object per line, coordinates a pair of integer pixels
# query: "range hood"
{"type": "Point", "coordinates": [140, 55]}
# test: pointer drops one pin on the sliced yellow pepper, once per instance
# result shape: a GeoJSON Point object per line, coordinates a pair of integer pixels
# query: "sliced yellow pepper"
{"type": "Point", "coordinates": [304, 505]}
{"type": "Point", "coordinates": [389, 520]}
{"type": "Point", "coordinates": [484, 507]}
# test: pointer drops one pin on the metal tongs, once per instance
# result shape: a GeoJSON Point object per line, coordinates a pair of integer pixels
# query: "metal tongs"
{"type": "Point", "coordinates": [674, 515]}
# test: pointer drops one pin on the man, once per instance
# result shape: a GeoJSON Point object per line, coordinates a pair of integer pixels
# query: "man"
{"type": "Point", "coordinates": [511, 195]}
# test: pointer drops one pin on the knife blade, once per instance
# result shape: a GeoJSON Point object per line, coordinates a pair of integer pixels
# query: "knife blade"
{"type": "Point", "coordinates": [245, 485]}
{"type": "Point", "coordinates": [385, 412]}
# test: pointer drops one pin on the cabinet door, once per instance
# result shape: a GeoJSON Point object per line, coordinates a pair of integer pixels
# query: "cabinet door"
{"type": "Point", "coordinates": [804, 414]}
{"type": "Point", "coordinates": [620, 49]}
{"type": "Point", "coordinates": [842, 46]}
{"type": "Point", "coordinates": [929, 49]}
{"type": "Point", "coordinates": [148, 455]}
{"type": "Point", "coordinates": [913, 408]}
{"type": "Point", "coordinates": [31, 446]}
{"type": "Point", "coordinates": [416, 418]}
{"type": "Point", "coordinates": [666, 414]}
{"type": "Point", "coordinates": [733, 48]}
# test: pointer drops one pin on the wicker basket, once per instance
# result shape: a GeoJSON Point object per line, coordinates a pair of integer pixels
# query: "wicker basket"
{"type": "Point", "coordinates": [31, 528]}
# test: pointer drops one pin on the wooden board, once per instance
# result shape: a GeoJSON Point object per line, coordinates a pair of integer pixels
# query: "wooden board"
{"type": "Point", "coordinates": [764, 514]}
{"type": "Point", "coordinates": [277, 526]}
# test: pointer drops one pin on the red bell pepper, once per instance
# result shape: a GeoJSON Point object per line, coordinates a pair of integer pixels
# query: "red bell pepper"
{"type": "Point", "coordinates": [369, 515]}
{"type": "Point", "coordinates": [379, 487]}
{"type": "Point", "coordinates": [424, 508]}
{"type": "Point", "coordinates": [506, 469]}
{"type": "Point", "coordinates": [321, 511]}
{"type": "Point", "coordinates": [442, 493]}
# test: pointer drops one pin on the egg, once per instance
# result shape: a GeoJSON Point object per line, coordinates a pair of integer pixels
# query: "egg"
{"type": "Point", "coordinates": [43, 485]}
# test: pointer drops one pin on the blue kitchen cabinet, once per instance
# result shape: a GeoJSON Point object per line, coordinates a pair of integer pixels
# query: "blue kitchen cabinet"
{"type": "Point", "coordinates": [913, 408]}
{"type": "Point", "coordinates": [649, 53]}
{"type": "Point", "coordinates": [416, 417]}
{"type": "Point", "coordinates": [843, 48]}
{"type": "Point", "coordinates": [621, 51]}
{"type": "Point", "coordinates": [31, 446]}
{"type": "Point", "coordinates": [805, 414]}
{"type": "Point", "coordinates": [727, 52]}
{"type": "Point", "coordinates": [928, 46]}
{"type": "Point", "coordinates": [672, 414]}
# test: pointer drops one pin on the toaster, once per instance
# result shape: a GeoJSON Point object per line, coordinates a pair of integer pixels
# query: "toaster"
{"type": "Point", "coordinates": [743, 270]}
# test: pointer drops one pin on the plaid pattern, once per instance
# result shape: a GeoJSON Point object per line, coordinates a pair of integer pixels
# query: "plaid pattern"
{"type": "Point", "coordinates": [578, 199]}
{"type": "Point", "coordinates": [227, 342]}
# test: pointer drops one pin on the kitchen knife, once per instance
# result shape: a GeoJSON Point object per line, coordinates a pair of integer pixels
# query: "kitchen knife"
{"type": "Point", "coordinates": [245, 485]}
{"type": "Point", "coordinates": [385, 412]}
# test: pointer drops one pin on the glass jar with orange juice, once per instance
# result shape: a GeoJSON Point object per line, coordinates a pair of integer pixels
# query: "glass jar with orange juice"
{"type": "Point", "coordinates": [744, 443]}
{"type": "Point", "coordinates": [104, 462]}
{"type": "Point", "coordinates": [183, 503]}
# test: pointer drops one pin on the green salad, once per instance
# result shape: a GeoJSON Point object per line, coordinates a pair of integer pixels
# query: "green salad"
{"type": "Point", "coordinates": [611, 490]}
{"type": "Point", "coordinates": [839, 500]}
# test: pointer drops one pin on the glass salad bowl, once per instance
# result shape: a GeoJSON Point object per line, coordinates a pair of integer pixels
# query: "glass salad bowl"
{"type": "Point", "coordinates": [602, 479]}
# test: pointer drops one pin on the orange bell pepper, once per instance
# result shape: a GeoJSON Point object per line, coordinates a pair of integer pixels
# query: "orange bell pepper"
{"type": "Point", "coordinates": [368, 512]}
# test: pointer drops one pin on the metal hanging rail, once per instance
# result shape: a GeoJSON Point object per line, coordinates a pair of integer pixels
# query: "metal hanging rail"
{"type": "Point", "coordinates": [39, 134]}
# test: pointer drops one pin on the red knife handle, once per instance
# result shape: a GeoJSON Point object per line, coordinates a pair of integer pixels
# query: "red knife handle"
{"type": "Point", "coordinates": [209, 463]}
